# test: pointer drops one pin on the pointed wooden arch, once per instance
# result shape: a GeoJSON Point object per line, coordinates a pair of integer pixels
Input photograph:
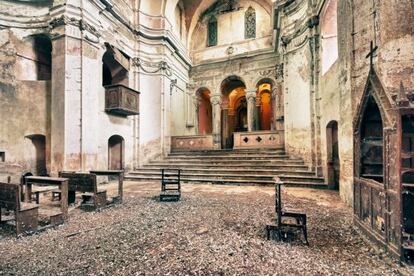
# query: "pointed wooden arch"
{"type": "Point", "coordinates": [373, 89]}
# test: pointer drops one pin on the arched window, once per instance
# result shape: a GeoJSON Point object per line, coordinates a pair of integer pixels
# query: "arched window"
{"type": "Point", "coordinates": [329, 35]}
{"type": "Point", "coordinates": [371, 152]}
{"type": "Point", "coordinates": [250, 23]}
{"type": "Point", "coordinates": [212, 32]}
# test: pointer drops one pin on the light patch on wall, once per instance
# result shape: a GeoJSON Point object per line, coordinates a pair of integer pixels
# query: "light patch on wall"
{"type": "Point", "coordinates": [329, 35]}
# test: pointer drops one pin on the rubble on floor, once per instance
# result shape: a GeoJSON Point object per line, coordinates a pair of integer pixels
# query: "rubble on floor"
{"type": "Point", "coordinates": [212, 230]}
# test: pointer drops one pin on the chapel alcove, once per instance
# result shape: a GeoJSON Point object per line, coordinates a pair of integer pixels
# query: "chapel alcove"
{"type": "Point", "coordinates": [234, 109]}
{"type": "Point", "coordinates": [42, 47]}
{"type": "Point", "coordinates": [36, 153]}
{"type": "Point", "coordinates": [204, 110]}
{"type": "Point", "coordinates": [264, 104]}
{"type": "Point", "coordinates": [116, 152]}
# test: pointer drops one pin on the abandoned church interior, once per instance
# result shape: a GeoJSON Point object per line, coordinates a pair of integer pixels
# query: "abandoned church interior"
{"type": "Point", "coordinates": [305, 102]}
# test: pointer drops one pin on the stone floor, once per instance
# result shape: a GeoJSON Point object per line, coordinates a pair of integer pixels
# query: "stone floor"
{"type": "Point", "coordinates": [212, 230]}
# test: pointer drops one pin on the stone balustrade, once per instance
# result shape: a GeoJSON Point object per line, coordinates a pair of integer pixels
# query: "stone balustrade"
{"type": "Point", "coordinates": [259, 139]}
{"type": "Point", "coordinates": [192, 143]}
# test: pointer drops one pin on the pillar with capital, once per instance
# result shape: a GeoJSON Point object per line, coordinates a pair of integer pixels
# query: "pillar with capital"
{"type": "Point", "coordinates": [251, 106]}
{"type": "Point", "coordinates": [215, 102]}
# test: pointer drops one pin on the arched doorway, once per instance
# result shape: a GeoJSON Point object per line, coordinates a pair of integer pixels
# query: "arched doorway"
{"type": "Point", "coordinates": [204, 110]}
{"type": "Point", "coordinates": [333, 163]}
{"type": "Point", "coordinates": [264, 103]}
{"type": "Point", "coordinates": [116, 152]}
{"type": "Point", "coordinates": [36, 152]}
{"type": "Point", "coordinates": [234, 109]}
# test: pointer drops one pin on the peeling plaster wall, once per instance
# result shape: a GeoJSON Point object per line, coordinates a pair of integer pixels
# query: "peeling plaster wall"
{"type": "Point", "coordinates": [297, 104]}
{"type": "Point", "coordinates": [24, 109]}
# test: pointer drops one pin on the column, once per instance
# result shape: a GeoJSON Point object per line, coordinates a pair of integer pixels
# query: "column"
{"type": "Point", "coordinates": [215, 102]}
{"type": "Point", "coordinates": [251, 106]}
{"type": "Point", "coordinates": [66, 102]}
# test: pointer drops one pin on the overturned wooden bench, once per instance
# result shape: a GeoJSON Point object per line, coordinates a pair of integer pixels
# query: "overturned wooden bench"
{"type": "Point", "coordinates": [170, 185]}
{"type": "Point", "coordinates": [286, 221]}
{"type": "Point", "coordinates": [25, 214]}
{"type": "Point", "coordinates": [86, 183]}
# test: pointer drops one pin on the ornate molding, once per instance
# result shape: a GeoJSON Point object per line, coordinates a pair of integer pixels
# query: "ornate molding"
{"type": "Point", "coordinates": [152, 67]}
{"type": "Point", "coordinates": [279, 71]}
{"type": "Point", "coordinates": [79, 23]}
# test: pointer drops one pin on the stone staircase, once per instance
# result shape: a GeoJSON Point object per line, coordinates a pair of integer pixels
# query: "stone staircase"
{"type": "Point", "coordinates": [236, 167]}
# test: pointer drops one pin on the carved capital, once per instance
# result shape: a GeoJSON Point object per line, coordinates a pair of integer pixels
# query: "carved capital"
{"type": "Point", "coordinates": [215, 100]}
{"type": "Point", "coordinates": [251, 95]}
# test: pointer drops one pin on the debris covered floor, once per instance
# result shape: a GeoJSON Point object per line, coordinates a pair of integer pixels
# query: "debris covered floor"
{"type": "Point", "coordinates": [213, 229]}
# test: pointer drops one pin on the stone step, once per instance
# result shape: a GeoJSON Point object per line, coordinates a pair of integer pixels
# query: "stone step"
{"type": "Point", "coordinates": [237, 165]}
{"type": "Point", "coordinates": [226, 175]}
{"type": "Point", "coordinates": [233, 157]}
{"type": "Point", "coordinates": [230, 161]}
{"type": "Point", "coordinates": [301, 178]}
{"type": "Point", "coordinates": [247, 171]}
{"type": "Point", "coordinates": [231, 152]}
{"type": "Point", "coordinates": [240, 181]}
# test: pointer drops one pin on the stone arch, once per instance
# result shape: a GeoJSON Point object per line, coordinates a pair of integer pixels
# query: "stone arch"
{"type": "Point", "coordinates": [116, 152]}
{"type": "Point", "coordinates": [265, 103]}
{"type": "Point", "coordinates": [233, 100]}
{"type": "Point", "coordinates": [204, 111]}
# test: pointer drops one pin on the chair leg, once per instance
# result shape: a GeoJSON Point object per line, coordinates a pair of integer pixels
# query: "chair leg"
{"type": "Point", "coordinates": [305, 235]}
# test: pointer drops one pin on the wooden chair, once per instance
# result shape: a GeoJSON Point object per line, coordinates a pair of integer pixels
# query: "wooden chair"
{"type": "Point", "coordinates": [170, 185]}
{"type": "Point", "coordinates": [283, 228]}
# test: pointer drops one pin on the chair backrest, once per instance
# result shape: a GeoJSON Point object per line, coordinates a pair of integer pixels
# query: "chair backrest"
{"type": "Point", "coordinates": [81, 182]}
{"type": "Point", "coordinates": [10, 196]}
{"type": "Point", "coordinates": [278, 199]}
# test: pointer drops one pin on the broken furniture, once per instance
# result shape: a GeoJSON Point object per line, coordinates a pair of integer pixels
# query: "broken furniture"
{"type": "Point", "coordinates": [170, 185]}
{"type": "Point", "coordinates": [62, 184]}
{"type": "Point", "coordinates": [25, 215]}
{"type": "Point", "coordinates": [286, 221]}
{"type": "Point", "coordinates": [85, 183]}
{"type": "Point", "coordinates": [120, 175]}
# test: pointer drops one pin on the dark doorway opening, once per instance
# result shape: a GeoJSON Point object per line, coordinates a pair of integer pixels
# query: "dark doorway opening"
{"type": "Point", "coordinates": [333, 155]}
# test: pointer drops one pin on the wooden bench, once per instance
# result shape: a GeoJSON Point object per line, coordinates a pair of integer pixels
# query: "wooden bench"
{"type": "Point", "coordinates": [25, 215]}
{"type": "Point", "coordinates": [170, 185]}
{"type": "Point", "coordinates": [286, 221]}
{"type": "Point", "coordinates": [62, 183]}
{"type": "Point", "coordinates": [120, 175]}
{"type": "Point", "coordinates": [86, 183]}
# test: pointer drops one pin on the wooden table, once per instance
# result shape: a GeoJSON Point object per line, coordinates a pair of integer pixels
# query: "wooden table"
{"type": "Point", "coordinates": [62, 183]}
{"type": "Point", "coordinates": [119, 174]}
